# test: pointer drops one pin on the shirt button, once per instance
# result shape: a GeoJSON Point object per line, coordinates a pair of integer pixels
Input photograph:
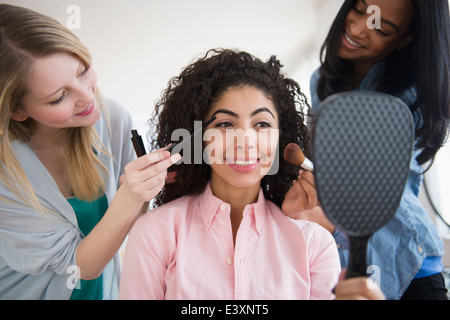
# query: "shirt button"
{"type": "Point", "coordinates": [230, 261]}
{"type": "Point", "coordinates": [420, 249]}
{"type": "Point", "coordinates": [223, 206]}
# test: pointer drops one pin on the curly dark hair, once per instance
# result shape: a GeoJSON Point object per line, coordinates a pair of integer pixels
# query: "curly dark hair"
{"type": "Point", "coordinates": [190, 95]}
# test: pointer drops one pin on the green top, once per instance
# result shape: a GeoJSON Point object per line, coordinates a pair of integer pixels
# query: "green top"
{"type": "Point", "coordinates": [88, 215]}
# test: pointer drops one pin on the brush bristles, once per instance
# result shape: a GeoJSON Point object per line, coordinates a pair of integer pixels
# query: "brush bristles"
{"type": "Point", "coordinates": [293, 154]}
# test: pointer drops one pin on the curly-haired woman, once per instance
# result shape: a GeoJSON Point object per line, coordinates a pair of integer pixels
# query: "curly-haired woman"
{"type": "Point", "coordinates": [218, 232]}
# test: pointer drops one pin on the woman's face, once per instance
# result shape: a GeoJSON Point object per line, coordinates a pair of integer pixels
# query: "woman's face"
{"type": "Point", "coordinates": [361, 44]}
{"type": "Point", "coordinates": [242, 142]}
{"type": "Point", "coordinates": [59, 93]}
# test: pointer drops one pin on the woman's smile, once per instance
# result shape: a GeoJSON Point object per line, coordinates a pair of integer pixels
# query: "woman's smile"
{"type": "Point", "coordinates": [350, 43]}
{"type": "Point", "coordinates": [87, 111]}
{"type": "Point", "coordinates": [243, 165]}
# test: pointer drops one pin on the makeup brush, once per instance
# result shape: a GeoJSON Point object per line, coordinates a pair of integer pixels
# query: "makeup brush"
{"type": "Point", "coordinates": [294, 155]}
{"type": "Point", "coordinates": [137, 143]}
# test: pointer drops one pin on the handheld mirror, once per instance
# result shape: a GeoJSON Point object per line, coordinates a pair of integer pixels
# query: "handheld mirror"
{"type": "Point", "coordinates": [362, 147]}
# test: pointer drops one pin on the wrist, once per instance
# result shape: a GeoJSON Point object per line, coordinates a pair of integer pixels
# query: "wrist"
{"type": "Point", "coordinates": [125, 205]}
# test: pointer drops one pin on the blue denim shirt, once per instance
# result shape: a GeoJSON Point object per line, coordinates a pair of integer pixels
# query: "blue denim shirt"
{"type": "Point", "coordinates": [397, 250]}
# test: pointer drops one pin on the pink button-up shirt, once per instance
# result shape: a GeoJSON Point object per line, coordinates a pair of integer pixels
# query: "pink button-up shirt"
{"type": "Point", "coordinates": [185, 250]}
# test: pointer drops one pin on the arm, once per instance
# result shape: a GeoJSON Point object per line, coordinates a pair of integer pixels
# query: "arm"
{"type": "Point", "coordinates": [143, 267]}
{"type": "Point", "coordinates": [301, 202]}
{"type": "Point", "coordinates": [324, 271]}
{"type": "Point", "coordinates": [144, 178]}
{"type": "Point", "coordinates": [324, 265]}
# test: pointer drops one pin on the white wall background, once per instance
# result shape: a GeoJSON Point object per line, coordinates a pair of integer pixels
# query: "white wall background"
{"type": "Point", "coordinates": [139, 45]}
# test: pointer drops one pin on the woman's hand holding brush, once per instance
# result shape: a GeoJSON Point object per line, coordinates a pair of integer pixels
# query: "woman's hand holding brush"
{"type": "Point", "coordinates": [301, 201]}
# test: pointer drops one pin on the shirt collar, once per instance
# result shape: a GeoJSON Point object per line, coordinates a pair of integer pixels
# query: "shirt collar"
{"type": "Point", "coordinates": [210, 206]}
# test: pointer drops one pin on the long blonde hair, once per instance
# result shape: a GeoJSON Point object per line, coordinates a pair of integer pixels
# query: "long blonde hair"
{"type": "Point", "coordinates": [24, 36]}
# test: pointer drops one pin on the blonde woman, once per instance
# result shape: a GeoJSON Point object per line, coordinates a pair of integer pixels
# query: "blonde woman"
{"type": "Point", "coordinates": [63, 215]}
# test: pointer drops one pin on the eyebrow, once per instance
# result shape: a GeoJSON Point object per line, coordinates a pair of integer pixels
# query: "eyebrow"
{"type": "Point", "coordinates": [62, 88]}
{"type": "Point", "coordinates": [391, 24]}
{"type": "Point", "coordinates": [51, 95]}
{"type": "Point", "coordinates": [384, 20]}
{"type": "Point", "coordinates": [233, 114]}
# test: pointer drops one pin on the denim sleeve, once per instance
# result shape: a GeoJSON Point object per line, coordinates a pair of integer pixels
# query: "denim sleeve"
{"type": "Point", "coordinates": [315, 102]}
{"type": "Point", "coordinates": [341, 240]}
{"type": "Point", "coordinates": [343, 246]}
